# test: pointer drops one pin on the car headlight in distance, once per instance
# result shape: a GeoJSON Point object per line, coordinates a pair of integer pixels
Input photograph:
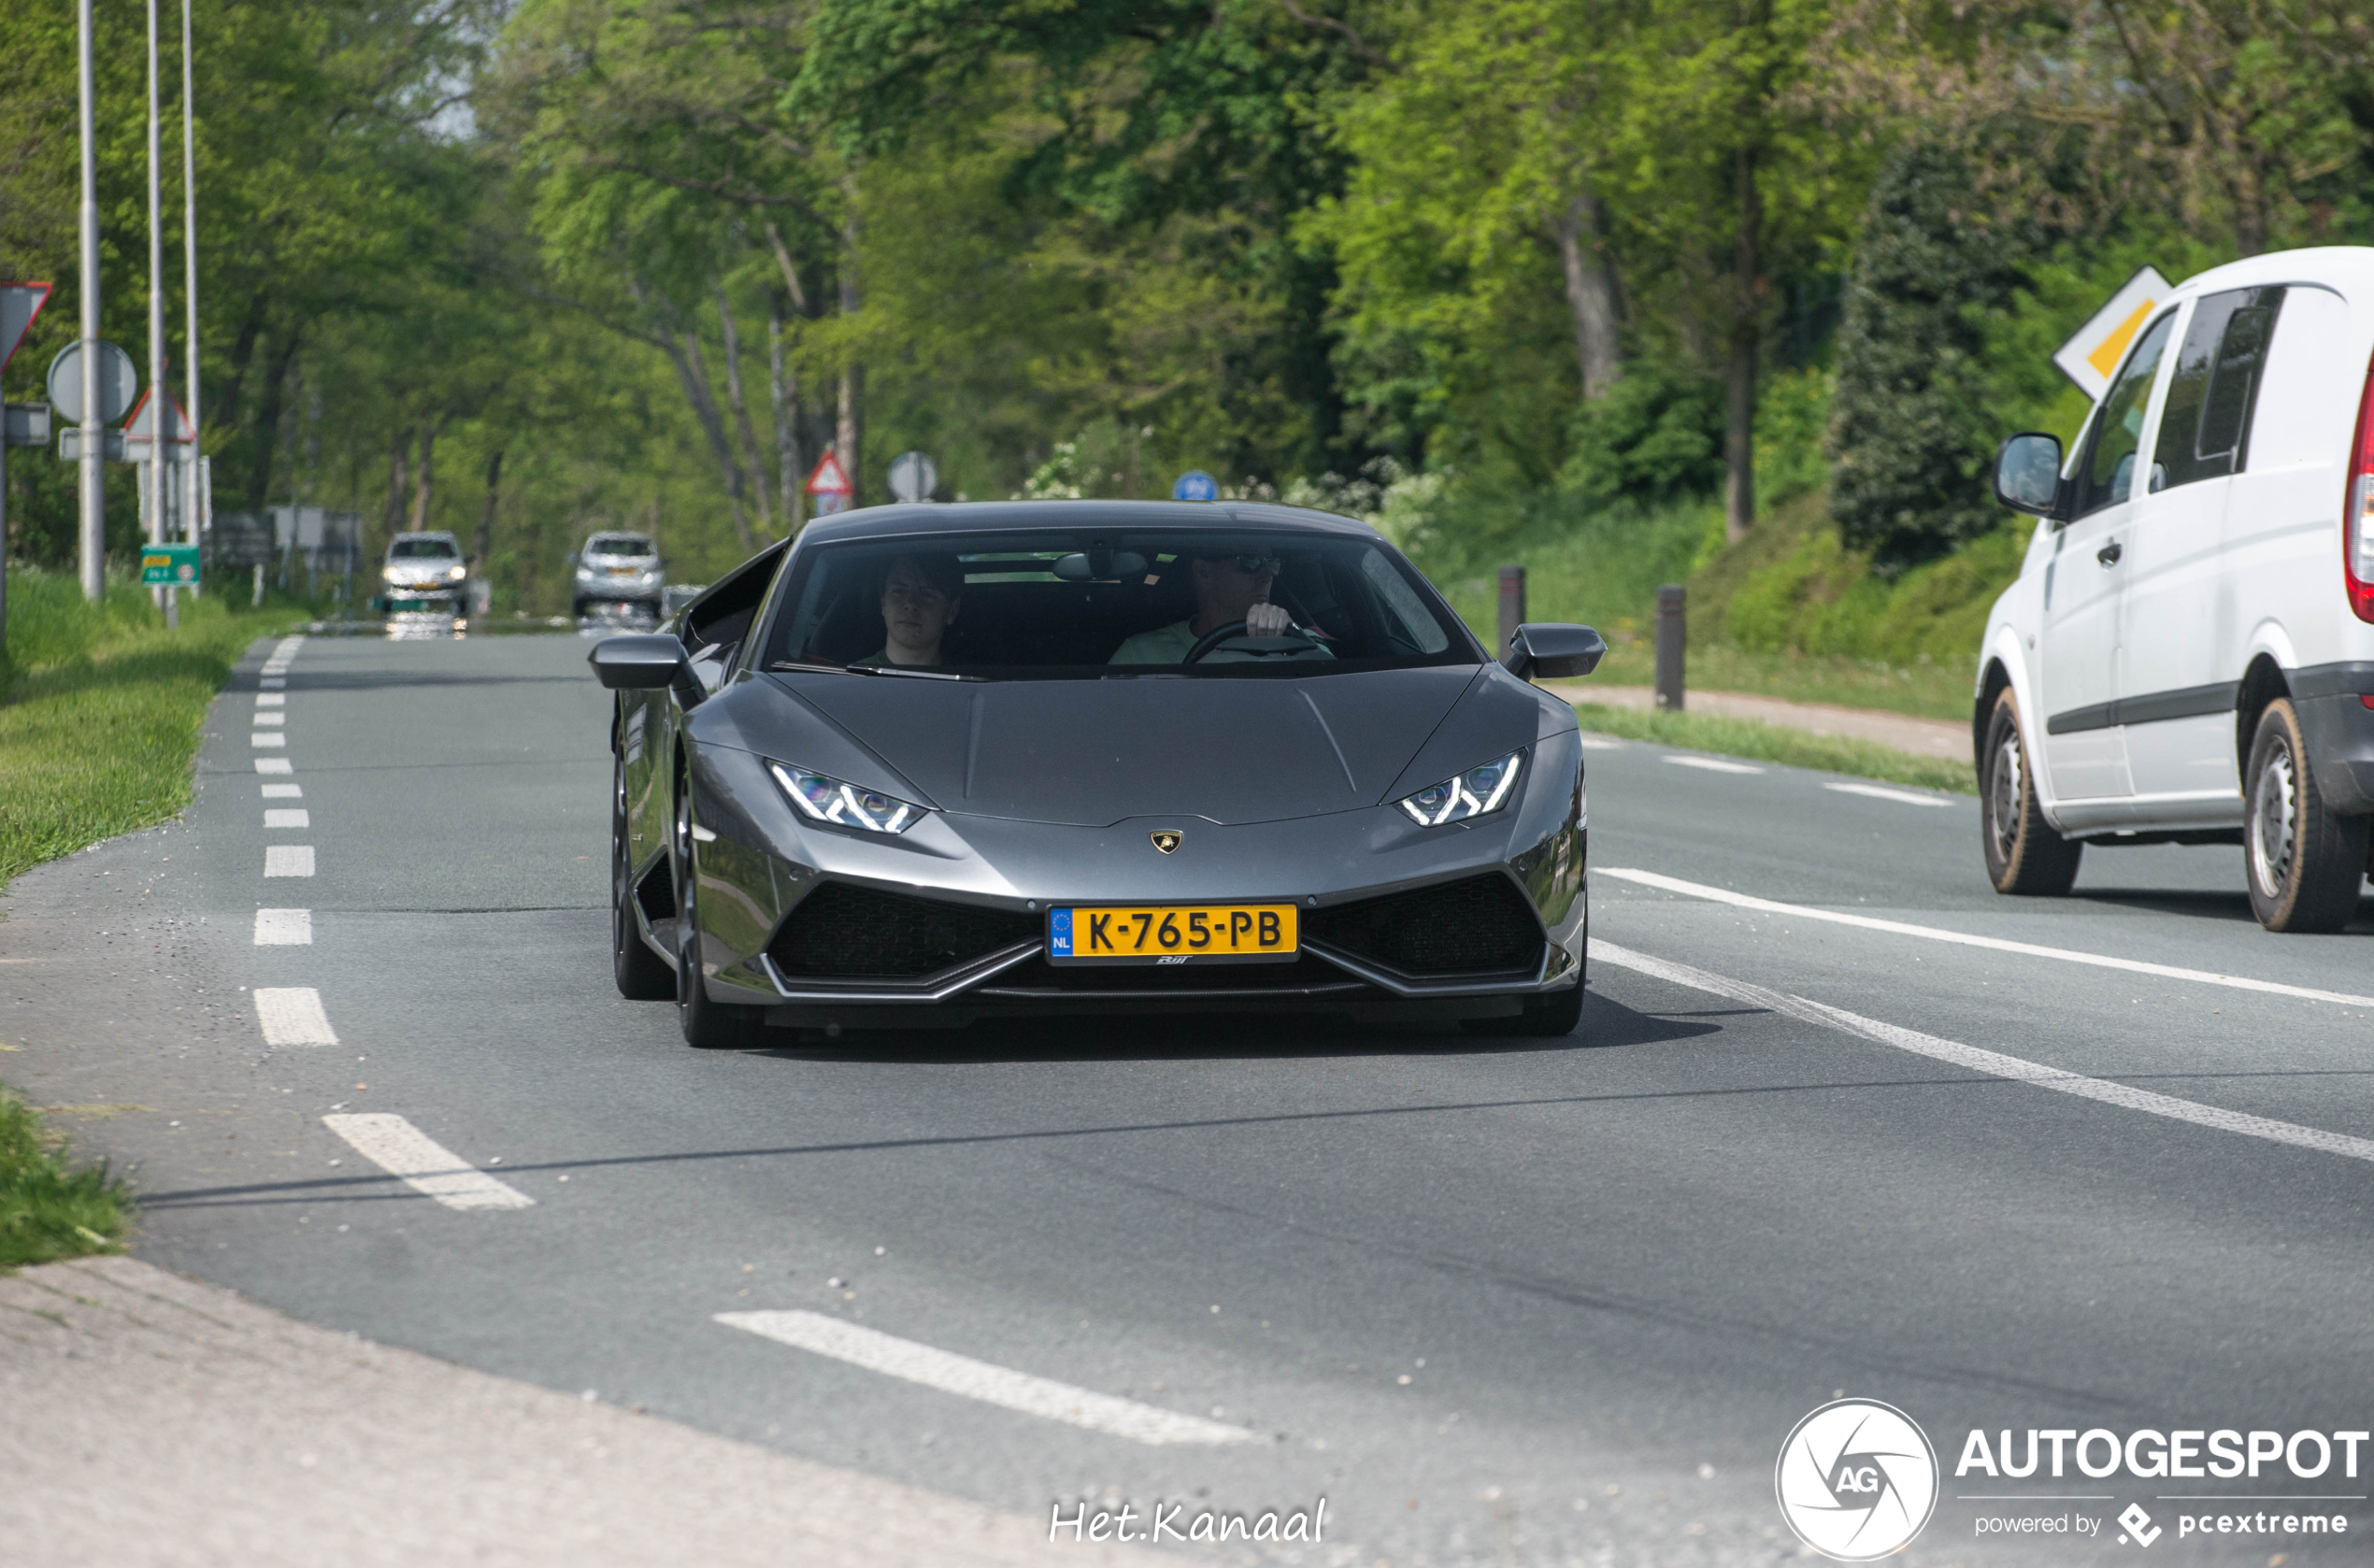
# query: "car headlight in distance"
{"type": "Point", "coordinates": [458, 573]}
{"type": "Point", "coordinates": [1473, 793]}
{"type": "Point", "coordinates": [828, 800]}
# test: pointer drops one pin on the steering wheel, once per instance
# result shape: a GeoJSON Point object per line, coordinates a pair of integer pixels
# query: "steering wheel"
{"type": "Point", "coordinates": [1292, 638]}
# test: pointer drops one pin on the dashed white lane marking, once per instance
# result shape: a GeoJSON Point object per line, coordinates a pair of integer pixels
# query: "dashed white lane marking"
{"type": "Point", "coordinates": [288, 860]}
{"type": "Point", "coordinates": [1993, 1063]}
{"type": "Point", "coordinates": [284, 928]}
{"type": "Point", "coordinates": [423, 1163]}
{"type": "Point", "coordinates": [995, 1385]}
{"type": "Point", "coordinates": [1598, 743]}
{"type": "Point", "coordinates": [287, 818]}
{"type": "Point", "coordinates": [271, 699]}
{"type": "Point", "coordinates": [1878, 792]}
{"type": "Point", "coordinates": [268, 737]}
{"type": "Point", "coordinates": [274, 764]}
{"type": "Point", "coordinates": [268, 718]}
{"type": "Point", "coordinates": [1713, 764]}
{"type": "Point", "coordinates": [1994, 944]}
{"type": "Point", "coordinates": [283, 791]}
{"type": "Point", "coordinates": [292, 1015]}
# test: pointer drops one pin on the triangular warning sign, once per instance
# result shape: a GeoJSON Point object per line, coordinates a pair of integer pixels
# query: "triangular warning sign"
{"type": "Point", "coordinates": [830, 478]}
{"type": "Point", "coordinates": [20, 303]}
{"type": "Point", "coordinates": [142, 427]}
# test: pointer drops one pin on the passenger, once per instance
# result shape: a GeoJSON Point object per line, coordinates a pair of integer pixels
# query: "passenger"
{"type": "Point", "coordinates": [1228, 588]}
{"type": "Point", "coordinates": [919, 596]}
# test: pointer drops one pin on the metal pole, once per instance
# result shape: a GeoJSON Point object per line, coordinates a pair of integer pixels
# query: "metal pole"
{"type": "Point", "coordinates": [193, 518]}
{"type": "Point", "coordinates": [3, 530]}
{"type": "Point", "coordinates": [1670, 645]}
{"type": "Point", "coordinates": [93, 491]}
{"type": "Point", "coordinates": [160, 399]}
{"type": "Point", "coordinates": [1512, 607]}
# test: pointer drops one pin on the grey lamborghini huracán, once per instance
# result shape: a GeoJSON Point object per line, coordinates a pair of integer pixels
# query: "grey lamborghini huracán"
{"type": "Point", "coordinates": [930, 764]}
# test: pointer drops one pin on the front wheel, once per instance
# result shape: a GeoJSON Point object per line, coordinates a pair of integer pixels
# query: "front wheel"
{"type": "Point", "coordinates": [2024, 853]}
{"type": "Point", "coordinates": [2303, 862]}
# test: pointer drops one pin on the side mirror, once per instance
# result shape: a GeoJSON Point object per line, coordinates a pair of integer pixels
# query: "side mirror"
{"type": "Point", "coordinates": [2028, 473]}
{"type": "Point", "coordinates": [643, 661]}
{"type": "Point", "coordinates": [1549, 650]}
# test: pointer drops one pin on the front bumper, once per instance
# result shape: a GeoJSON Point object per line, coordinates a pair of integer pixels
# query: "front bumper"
{"type": "Point", "coordinates": [619, 590]}
{"type": "Point", "coordinates": [763, 863]}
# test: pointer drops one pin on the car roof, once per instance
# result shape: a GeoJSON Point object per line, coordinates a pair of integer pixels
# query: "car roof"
{"type": "Point", "coordinates": [907, 520]}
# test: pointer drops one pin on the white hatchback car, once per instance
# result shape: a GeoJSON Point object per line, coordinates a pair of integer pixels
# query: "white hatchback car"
{"type": "Point", "coordinates": [2188, 655]}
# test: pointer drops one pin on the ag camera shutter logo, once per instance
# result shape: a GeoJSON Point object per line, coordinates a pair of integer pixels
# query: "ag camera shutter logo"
{"type": "Point", "coordinates": [1856, 1480]}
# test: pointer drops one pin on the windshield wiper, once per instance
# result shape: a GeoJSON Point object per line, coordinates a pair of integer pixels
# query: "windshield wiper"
{"type": "Point", "coordinates": [910, 672]}
{"type": "Point", "coordinates": [817, 665]}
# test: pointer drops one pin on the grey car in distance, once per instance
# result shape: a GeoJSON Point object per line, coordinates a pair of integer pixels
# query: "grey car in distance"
{"type": "Point", "coordinates": [425, 572]}
{"type": "Point", "coordinates": [622, 570]}
{"type": "Point", "coordinates": [929, 764]}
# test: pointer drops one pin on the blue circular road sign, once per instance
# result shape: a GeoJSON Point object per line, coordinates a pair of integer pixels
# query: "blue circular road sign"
{"type": "Point", "coordinates": [1195, 485]}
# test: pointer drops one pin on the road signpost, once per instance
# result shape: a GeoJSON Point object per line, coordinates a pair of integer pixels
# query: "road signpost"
{"type": "Point", "coordinates": [830, 484]}
{"type": "Point", "coordinates": [119, 383]}
{"type": "Point", "coordinates": [914, 476]}
{"type": "Point", "coordinates": [2090, 356]}
{"type": "Point", "coordinates": [1195, 485]}
{"type": "Point", "coordinates": [19, 306]}
{"type": "Point", "coordinates": [169, 565]}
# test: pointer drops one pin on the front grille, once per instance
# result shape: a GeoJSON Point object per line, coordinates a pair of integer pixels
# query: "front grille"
{"type": "Point", "coordinates": [840, 931]}
{"type": "Point", "coordinates": [1038, 977]}
{"type": "Point", "coordinates": [1481, 926]}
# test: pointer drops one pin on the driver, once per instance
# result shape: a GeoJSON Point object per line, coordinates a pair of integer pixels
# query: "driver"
{"type": "Point", "coordinates": [1228, 588]}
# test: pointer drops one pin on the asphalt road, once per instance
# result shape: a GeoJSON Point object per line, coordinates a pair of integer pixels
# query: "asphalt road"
{"type": "Point", "coordinates": [1510, 1300]}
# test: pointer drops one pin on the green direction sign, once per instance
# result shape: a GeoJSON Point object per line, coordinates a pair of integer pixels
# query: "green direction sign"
{"type": "Point", "coordinates": [175, 565]}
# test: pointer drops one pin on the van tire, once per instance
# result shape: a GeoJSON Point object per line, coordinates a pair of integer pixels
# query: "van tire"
{"type": "Point", "coordinates": [2303, 862]}
{"type": "Point", "coordinates": [2024, 853]}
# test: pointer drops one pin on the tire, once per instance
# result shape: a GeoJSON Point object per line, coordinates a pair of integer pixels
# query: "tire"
{"type": "Point", "coordinates": [2303, 862]}
{"type": "Point", "coordinates": [2024, 853]}
{"type": "Point", "coordinates": [1551, 1015]}
{"type": "Point", "coordinates": [641, 973]}
{"type": "Point", "coordinates": [708, 1025]}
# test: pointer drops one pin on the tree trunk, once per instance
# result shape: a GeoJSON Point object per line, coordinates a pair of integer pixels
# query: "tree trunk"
{"type": "Point", "coordinates": [784, 389]}
{"type": "Point", "coordinates": [1739, 372]}
{"type": "Point", "coordinates": [398, 488]}
{"type": "Point", "coordinates": [226, 397]}
{"type": "Point", "coordinates": [683, 352]}
{"type": "Point", "coordinates": [486, 513]}
{"type": "Point", "coordinates": [424, 480]}
{"type": "Point", "coordinates": [752, 458]}
{"type": "Point", "coordinates": [849, 437]}
{"type": "Point", "coordinates": [267, 422]}
{"type": "Point", "coordinates": [1591, 295]}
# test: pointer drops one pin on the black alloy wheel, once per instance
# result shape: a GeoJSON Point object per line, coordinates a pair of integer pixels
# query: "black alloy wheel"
{"type": "Point", "coordinates": [2024, 853]}
{"type": "Point", "coordinates": [2303, 862]}
{"type": "Point", "coordinates": [708, 1025]}
{"type": "Point", "coordinates": [641, 973]}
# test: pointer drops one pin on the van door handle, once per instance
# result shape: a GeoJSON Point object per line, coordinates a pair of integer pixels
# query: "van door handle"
{"type": "Point", "coordinates": [2108, 554]}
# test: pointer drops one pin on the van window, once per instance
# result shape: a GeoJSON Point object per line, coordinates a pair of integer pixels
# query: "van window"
{"type": "Point", "coordinates": [2204, 430]}
{"type": "Point", "coordinates": [2107, 476]}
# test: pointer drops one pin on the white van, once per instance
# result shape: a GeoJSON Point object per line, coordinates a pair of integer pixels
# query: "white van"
{"type": "Point", "coordinates": [2188, 655]}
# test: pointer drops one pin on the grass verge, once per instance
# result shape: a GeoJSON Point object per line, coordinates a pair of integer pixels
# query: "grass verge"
{"type": "Point", "coordinates": [1925, 690]}
{"type": "Point", "coordinates": [48, 1209]}
{"type": "Point", "coordinates": [1774, 743]}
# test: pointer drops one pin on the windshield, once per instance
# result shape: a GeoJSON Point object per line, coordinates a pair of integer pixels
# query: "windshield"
{"type": "Point", "coordinates": [423, 549]}
{"type": "Point", "coordinates": [619, 544]}
{"type": "Point", "coordinates": [1082, 605]}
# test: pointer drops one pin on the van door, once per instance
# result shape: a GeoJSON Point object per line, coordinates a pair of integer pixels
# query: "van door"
{"type": "Point", "coordinates": [2177, 682]}
{"type": "Point", "coordinates": [2083, 748]}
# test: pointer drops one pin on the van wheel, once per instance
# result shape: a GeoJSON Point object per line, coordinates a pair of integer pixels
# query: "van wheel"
{"type": "Point", "coordinates": [2023, 855]}
{"type": "Point", "coordinates": [2303, 863]}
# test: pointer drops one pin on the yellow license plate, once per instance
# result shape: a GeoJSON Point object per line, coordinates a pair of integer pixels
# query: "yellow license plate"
{"type": "Point", "coordinates": [1170, 933]}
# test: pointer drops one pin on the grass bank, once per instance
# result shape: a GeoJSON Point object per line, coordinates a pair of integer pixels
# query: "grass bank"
{"type": "Point", "coordinates": [50, 1209]}
{"type": "Point", "coordinates": [100, 708]}
{"type": "Point", "coordinates": [1775, 743]}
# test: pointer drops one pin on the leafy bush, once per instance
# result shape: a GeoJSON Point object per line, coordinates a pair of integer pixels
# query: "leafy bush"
{"type": "Point", "coordinates": [1656, 436]}
{"type": "Point", "coordinates": [46, 1210]}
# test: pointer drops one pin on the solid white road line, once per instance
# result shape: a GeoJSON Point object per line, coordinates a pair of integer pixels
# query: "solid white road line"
{"type": "Point", "coordinates": [995, 1385]}
{"type": "Point", "coordinates": [288, 860]}
{"type": "Point", "coordinates": [271, 699]}
{"type": "Point", "coordinates": [1713, 764]}
{"type": "Point", "coordinates": [1878, 792]}
{"type": "Point", "coordinates": [292, 1015]}
{"type": "Point", "coordinates": [1993, 1063]}
{"type": "Point", "coordinates": [274, 764]}
{"type": "Point", "coordinates": [283, 791]}
{"type": "Point", "coordinates": [1994, 944]}
{"type": "Point", "coordinates": [285, 818]}
{"type": "Point", "coordinates": [425, 1165]}
{"type": "Point", "coordinates": [268, 738]}
{"type": "Point", "coordinates": [268, 720]}
{"type": "Point", "coordinates": [284, 928]}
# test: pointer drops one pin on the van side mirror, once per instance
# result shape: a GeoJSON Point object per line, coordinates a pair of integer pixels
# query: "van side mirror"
{"type": "Point", "coordinates": [2028, 473]}
{"type": "Point", "coordinates": [1549, 649]}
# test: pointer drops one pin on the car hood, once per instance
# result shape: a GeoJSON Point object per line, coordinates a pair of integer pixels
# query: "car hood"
{"type": "Point", "coordinates": [1093, 752]}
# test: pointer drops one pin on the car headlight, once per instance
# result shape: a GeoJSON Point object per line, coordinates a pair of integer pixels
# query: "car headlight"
{"type": "Point", "coordinates": [387, 573]}
{"type": "Point", "coordinates": [1473, 793]}
{"type": "Point", "coordinates": [828, 800]}
{"type": "Point", "coordinates": [458, 573]}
